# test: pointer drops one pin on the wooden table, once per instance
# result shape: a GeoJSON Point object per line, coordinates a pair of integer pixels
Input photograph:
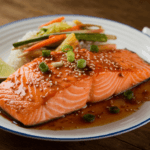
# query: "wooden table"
{"type": "Point", "coordinates": [134, 13]}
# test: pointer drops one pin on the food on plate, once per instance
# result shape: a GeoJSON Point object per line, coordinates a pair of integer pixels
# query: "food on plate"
{"type": "Point", "coordinates": [5, 70]}
{"type": "Point", "coordinates": [64, 67]}
{"type": "Point", "coordinates": [53, 35]}
{"type": "Point", "coordinates": [39, 92]}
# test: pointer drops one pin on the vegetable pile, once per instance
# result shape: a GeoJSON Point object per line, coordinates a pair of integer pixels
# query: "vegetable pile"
{"type": "Point", "coordinates": [57, 33]}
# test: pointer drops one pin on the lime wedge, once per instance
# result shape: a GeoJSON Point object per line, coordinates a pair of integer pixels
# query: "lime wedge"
{"type": "Point", "coordinates": [5, 69]}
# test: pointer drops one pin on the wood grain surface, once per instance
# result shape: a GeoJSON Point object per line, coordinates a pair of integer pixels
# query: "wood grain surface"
{"type": "Point", "coordinates": [135, 13]}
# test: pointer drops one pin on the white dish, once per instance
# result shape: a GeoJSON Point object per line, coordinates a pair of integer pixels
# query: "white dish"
{"type": "Point", "coordinates": [127, 37]}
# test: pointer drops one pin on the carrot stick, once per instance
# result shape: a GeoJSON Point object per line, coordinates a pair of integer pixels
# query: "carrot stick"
{"type": "Point", "coordinates": [52, 21]}
{"type": "Point", "coordinates": [78, 27]}
{"type": "Point", "coordinates": [107, 47]}
{"type": "Point", "coordinates": [51, 40]}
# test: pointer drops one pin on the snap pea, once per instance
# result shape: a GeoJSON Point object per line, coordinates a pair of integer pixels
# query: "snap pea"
{"type": "Point", "coordinates": [91, 37]}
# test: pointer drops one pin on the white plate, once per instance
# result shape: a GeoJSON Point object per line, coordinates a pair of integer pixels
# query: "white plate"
{"type": "Point", "coordinates": [127, 37]}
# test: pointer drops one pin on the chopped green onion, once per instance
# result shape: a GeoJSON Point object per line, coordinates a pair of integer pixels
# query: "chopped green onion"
{"type": "Point", "coordinates": [114, 110]}
{"type": "Point", "coordinates": [129, 94]}
{"type": "Point", "coordinates": [70, 56]}
{"type": "Point", "coordinates": [88, 118]}
{"type": "Point", "coordinates": [43, 67]}
{"type": "Point", "coordinates": [57, 64]}
{"type": "Point", "coordinates": [67, 48]}
{"type": "Point", "coordinates": [94, 48]}
{"type": "Point", "coordinates": [81, 63]}
{"type": "Point", "coordinates": [46, 53]}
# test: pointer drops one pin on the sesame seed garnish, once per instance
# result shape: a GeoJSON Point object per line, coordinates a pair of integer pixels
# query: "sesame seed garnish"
{"type": "Point", "coordinates": [58, 75]}
{"type": "Point", "coordinates": [37, 85]}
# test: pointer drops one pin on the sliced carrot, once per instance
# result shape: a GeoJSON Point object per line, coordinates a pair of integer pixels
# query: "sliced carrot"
{"type": "Point", "coordinates": [53, 21]}
{"type": "Point", "coordinates": [97, 31]}
{"type": "Point", "coordinates": [107, 47]}
{"type": "Point", "coordinates": [74, 28]}
{"type": "Point", "coordinates": [51, 40]}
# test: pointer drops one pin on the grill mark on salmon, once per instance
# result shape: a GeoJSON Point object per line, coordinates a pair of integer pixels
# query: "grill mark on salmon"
{"type": "Point", "coordinates": [33, 97]}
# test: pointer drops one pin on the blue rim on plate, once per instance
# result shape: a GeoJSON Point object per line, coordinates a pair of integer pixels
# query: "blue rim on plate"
{"type": "Point", "coordinates": [84, 138]}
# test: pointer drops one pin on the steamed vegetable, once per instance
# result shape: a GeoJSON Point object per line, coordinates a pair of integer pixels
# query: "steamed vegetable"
{"type": "Point", "coordinates": [53, 21]}
{"type": "Point", "coordinates": [77, 33]}
{"type": "Point", "coordinates": [91, 37]}
{"type": "Point", "coordinates": [80, 36]}
{"type": "Point", "coordinates": [46, 42]}
{"type": "Point", "coordinates": [54, 28]}
{"type": "Point", "coordinates": [71, 41]}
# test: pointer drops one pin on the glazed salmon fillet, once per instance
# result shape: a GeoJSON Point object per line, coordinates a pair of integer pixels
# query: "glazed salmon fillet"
{"type": "Point", "coordinates": [32, 97]}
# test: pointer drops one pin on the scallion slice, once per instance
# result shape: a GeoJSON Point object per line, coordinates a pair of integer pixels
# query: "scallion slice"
{"type": "Point", "coordinates": [94, 48]}
{"type": "Point", "coordinates": [43, 67]}
{"type": "Point", "coordinates": [46, 53]}
{"type": "Point", "coordinates": [88, 118]}
{"type": "Point", "coordinates": [67, 48]}
{"type": "Point", "coordinates": [70, 56]}
{"type": "Point", "coordinates": [114, 110]}
{"type": "Point", "coordinates": [129, 94]}
{"type": "Point", "coordinates": [81, 63]}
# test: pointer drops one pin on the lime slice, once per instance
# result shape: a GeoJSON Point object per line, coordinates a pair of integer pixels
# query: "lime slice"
{"type": "Point", "coordinates": [5, 69]}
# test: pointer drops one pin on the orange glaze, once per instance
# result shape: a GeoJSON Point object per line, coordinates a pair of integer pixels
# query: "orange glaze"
{"type": "Point", "coordinates": [34, 97]}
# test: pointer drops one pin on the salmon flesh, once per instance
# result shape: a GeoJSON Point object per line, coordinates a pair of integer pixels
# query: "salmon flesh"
{"type": "Point", "coordinates": [32, 97]}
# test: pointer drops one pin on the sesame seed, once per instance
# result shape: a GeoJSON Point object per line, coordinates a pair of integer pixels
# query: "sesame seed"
{"type": "Point", "coordinates": [37, 85]}
{"type": "Point", "coordinates": [46, 94]}
{"type": "Point", "coordinates": [30, 99]}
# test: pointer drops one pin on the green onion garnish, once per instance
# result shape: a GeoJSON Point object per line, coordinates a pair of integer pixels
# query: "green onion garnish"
{"type": "Point", "coordinates": [67, 48]}
{"type": "Point", "coordinates": [129, 94]}
{"type": "Point", "coordinates": [114, 110]}
{"type": "Point", "coordinates": [46, 53]}
{"type": "Point", "coordinates": [70, 56]}
{"type": "Point", "coordinates": [94, 48]}
{"type": "Point", "coordinates": [88, 118]}
{"type": "Point", "coordinates": [43, 67]}
{"type": "Point", "coordinates": [81, 63]}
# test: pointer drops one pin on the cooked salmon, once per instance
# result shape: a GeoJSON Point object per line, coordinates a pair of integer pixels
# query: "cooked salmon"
{"type": "Point", "coordinates": [33, 97]}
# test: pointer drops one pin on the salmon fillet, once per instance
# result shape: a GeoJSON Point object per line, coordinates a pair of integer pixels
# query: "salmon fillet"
{"type": "Point", "coordinates": [32, 97]}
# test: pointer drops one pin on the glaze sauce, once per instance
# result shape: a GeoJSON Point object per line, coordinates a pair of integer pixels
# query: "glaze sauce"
{"type": "Point", "coordinates": [100, 110]}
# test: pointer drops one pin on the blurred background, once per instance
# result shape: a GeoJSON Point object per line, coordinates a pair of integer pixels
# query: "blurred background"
{"type": "Point", "coordinates": [135, 13]}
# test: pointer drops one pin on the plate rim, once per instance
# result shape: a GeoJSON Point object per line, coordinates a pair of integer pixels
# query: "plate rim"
{"type": "Point", "coordinates": [82, 138]}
